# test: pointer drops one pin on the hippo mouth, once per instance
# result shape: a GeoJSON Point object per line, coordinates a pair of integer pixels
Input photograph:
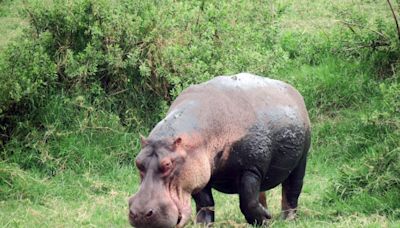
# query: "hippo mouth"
{"type": "Point", "coordinates": [182, 211]}
{"type": "Point", "coordinates": [178, 221]}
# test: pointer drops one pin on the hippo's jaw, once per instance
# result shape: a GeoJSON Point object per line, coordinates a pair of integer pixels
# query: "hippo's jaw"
{"type": "Point", "coordinates": [183, 204]}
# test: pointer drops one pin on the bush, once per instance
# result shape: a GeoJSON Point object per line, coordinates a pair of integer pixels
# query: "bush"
{"type": "Point", "coordinates": [85, 69]}
{"type": "Point", "coordinates": [70, 134]}
{"type": "Point", "coordinates": [375, 173]}
{"type": "Point", "coordinates": [332, 85]}
{"type": "Point", "coordinates": [349, 78]}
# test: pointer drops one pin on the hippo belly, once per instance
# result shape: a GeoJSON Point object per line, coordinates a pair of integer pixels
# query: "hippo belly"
{"type": "Point", "coordinates": [272, 154]}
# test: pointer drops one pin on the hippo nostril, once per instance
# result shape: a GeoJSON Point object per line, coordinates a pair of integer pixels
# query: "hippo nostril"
{"type": "Point", "coordinates": [149, 213]}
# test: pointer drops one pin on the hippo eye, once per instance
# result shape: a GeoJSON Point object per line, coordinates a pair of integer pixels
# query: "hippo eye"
{"type": "Point", "coordinates": [140, 166]}
{"type": "Point", "coordinates": [165, 166]}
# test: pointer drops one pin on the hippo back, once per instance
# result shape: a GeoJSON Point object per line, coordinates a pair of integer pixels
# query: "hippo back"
{"type": "Point", "coordinates": [241, 100]}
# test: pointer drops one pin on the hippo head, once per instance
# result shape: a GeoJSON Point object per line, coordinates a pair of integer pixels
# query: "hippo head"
{"type": "Point", "coordinates": [168, 179]}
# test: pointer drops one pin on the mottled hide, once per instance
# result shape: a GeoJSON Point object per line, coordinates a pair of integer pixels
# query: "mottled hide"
{"type": "Point", "coordinates": [240, 134]}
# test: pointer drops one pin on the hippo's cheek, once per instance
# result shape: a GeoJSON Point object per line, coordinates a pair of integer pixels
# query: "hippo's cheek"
{"type": "Point", "coordinates": [195, 173]}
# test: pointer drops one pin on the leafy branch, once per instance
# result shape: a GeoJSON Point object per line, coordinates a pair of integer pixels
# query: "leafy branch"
{"type": "Point", "coordinates": [395, 18]}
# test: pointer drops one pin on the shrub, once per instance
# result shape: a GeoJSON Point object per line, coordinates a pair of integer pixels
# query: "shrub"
{"type": "Point", "coordinates": [375, 174]}
{"type": "Point", "coordinates": [86, 68]}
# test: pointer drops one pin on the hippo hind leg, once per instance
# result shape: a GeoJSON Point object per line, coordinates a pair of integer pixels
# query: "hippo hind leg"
{"type": "Point", "coordinates": [250, 205]}
{"type": "Point", "coordinates": [292, 186]}
{"type": "Point", "coordinates": [204, 206]}
{"type": "Point", "coordinates": [291, 189]}
{"type": "Point", "coordinates": [263, 199]}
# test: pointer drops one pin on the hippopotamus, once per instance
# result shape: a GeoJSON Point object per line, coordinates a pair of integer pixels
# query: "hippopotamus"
{"type": "Point", "coordinates": [240, 134]}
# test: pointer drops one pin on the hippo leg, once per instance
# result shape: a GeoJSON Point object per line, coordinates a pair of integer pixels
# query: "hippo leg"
{"type": "Point", "coordinates": [204, 206]}
{"type": "Point", "coordinates": [263, 199]}
{"type": "Point", "coordinates": [291, 189]}
{"type": "Point", "coordinates": [250, 206]}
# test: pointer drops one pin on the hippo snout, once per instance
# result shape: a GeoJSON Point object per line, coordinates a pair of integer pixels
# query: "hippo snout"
{"type": "Point", "coordinates": [137, 216]}
{"type": "Point", "coordinates": [141, 214]}
{"type": "Point", "coordinates": [144, 216]}
{"type": "Point", "coordinates": [152, 214]}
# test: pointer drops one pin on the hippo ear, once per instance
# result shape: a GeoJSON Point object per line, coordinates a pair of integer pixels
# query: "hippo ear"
{"type": "Point", "coordinates": [177, 142]}
{"type": "Point", "coordinates": [143, 141]}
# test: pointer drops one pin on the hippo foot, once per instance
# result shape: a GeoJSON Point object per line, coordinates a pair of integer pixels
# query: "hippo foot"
{"type": "Point", "coordinates": [205, 216]}
{"type": "Point", "coordinates": [289, 214]}
{"type": "Point", "coordinates": [258, 215]}
{"type": "Point", "coordinates": [268, 214]}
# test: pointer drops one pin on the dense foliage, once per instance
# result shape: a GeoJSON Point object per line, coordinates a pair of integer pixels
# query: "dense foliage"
{"type": "Point", "coordinates": [87, 76]}
{"type": "Point", "coordinates": [129, 60]}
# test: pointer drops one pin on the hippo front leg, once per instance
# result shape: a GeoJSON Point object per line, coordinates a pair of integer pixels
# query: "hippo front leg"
{"type": "Point", "coordinates": [250, 206]}
{"type": "Point", "coordinates": [204, 206]}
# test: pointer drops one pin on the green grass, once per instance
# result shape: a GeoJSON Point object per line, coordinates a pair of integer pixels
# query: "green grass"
{"type": "Point", "coordinates": [89, 200]}
{"type": "Point", "coordinates": [11, 23]}
{"type": "Point", "coordinates": [74, 200]}
{"type": "Point", "coordinates": [341, 93]}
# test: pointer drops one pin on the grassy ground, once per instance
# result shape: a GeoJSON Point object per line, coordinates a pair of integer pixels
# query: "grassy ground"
{"type": "Point", "coordinates": [93, 199]}
{"type": "Point", "coordinates": [90, 200]}
{"type": "Point", "coordinates": [10, 21]}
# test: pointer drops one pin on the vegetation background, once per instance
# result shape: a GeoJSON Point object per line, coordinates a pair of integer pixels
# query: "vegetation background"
{"type": "Point", "coordinates": [80, 79]}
